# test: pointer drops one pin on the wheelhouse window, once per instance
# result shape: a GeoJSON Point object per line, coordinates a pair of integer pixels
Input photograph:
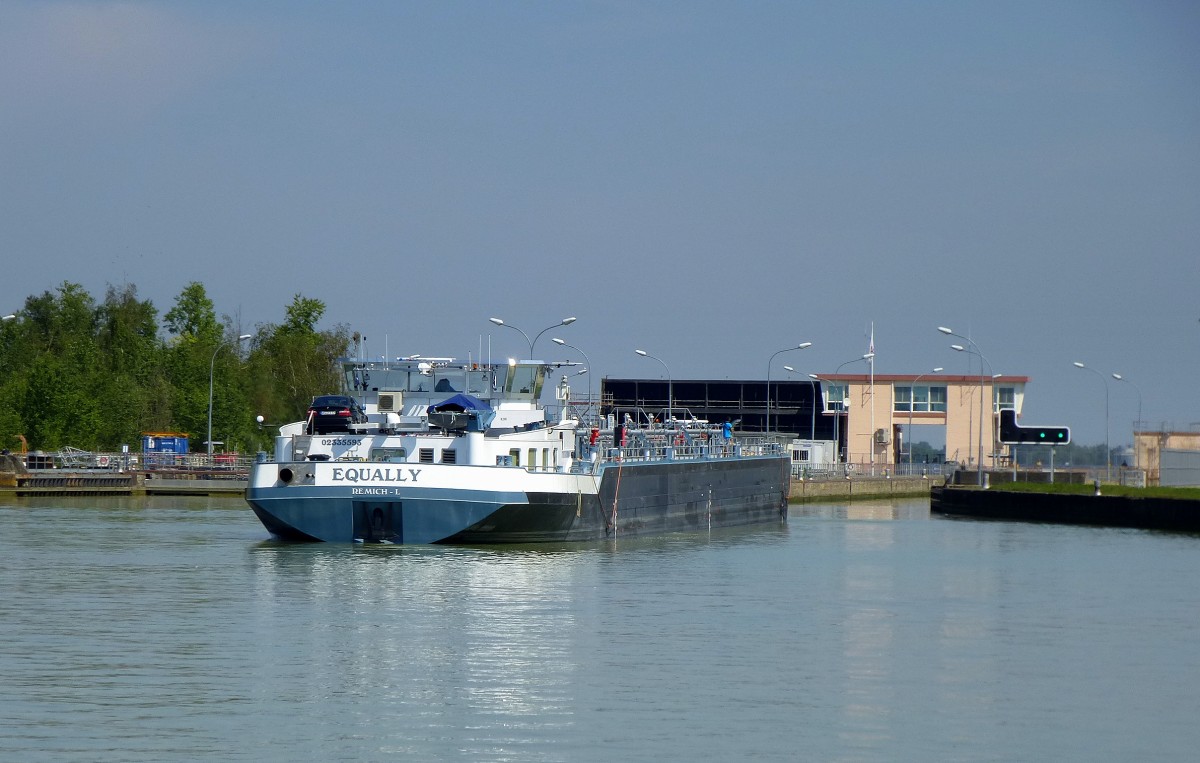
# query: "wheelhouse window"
{"type": "Point", "coordinates": [389, 454]}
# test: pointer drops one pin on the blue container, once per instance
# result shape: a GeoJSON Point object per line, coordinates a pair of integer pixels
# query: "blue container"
{"type": "Point", "coordinates": [164, 443]}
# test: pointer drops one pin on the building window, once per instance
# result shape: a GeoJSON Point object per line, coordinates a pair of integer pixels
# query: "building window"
{"type": "Point", "coordinates": [1006, 398]}
{"type": "Point", "coordinates": [835, 397]}
{"type": "Point", "coordinates": [937, 399]}
{"type": "Point", "coordinates": [919, 399]}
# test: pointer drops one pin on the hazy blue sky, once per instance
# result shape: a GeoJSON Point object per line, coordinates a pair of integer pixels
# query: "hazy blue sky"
{"type": "Point", "coordinates": [709, 181]}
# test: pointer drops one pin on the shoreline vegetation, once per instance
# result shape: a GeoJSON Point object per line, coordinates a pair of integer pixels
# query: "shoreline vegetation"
{"type": "Point", "coordinates": [93, 375]}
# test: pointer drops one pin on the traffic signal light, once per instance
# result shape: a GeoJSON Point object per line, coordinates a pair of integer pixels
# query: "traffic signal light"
{"type": "Point", "coordinates": [1012, 434]}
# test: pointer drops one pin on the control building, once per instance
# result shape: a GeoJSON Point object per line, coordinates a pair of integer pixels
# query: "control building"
{"type": "Point", "coordinates": [871, 418]}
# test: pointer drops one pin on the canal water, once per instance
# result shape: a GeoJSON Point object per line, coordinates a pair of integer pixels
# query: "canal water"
{"type": "Point", "coordinates": [173, 629]}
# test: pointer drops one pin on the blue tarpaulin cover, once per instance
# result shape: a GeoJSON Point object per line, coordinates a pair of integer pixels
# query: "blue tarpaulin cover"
{"type": "Point", "coordinates": [460, 402]}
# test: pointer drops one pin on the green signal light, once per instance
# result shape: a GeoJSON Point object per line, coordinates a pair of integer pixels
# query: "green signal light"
{"type": "Point", "coordinates": [1042, 435]}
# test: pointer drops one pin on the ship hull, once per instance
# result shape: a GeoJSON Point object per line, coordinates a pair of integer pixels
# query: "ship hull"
{"type": "Point", "coordinates": [481, 505]}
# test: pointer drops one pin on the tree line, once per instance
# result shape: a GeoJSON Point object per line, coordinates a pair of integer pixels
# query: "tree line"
{"type": "Point", "coordinates": [97, 375]}
{"type": "Point", "coordinates": [1034, 455]}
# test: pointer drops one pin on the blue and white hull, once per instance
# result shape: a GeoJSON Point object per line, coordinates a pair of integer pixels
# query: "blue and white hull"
{"type": "Point", "coordinates": [335, 503]}
{"type": "Point", "coordinates": [487, 466]}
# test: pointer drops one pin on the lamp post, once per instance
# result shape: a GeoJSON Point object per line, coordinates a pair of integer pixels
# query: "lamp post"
{"type": "Point", "coordinates": [801, 346]}
{"type": "Point", "coordinates": [1137, 456]}
{"type": "Point", "coordinates": [211, 366]}
{"type": "Point", "coordinates": [563, 343]}
{"type": "Point", "coordinates": [836, 416]}
{"type": "Point", "coordinates": [532, 342]}
{"type": "Point", "coordinates": [912, 395]}
{"type": "Point", "coordinates": [812, 381]}
{"type": "Point", "coordinates": [960, 348]}
{"type": "Point", "coordinates": [670, 387]}
{"type": "Point", "coordinates": [1107, 446]}
{"type": "Point", "coordinates": [9, 317]}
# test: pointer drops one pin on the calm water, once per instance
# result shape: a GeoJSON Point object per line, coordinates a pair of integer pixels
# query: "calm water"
{"type": "Point", "coordinates": [173, 630]}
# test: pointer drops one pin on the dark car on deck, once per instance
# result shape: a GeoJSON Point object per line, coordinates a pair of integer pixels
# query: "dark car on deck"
{"type": "Point", "coordinates": [334, 413]}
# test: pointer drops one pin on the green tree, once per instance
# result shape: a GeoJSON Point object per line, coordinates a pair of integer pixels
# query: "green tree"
{"type": "Point", "coordinates": [187, 359]}
{"type": "Point", "coordinates": [193, 315]}
{"type": "Point", "coordinates": [57, 322]}
{"type": "Point", "coordinates": [302, 316]}
{"type": "Point", "coordinates": [73, 372]}
{"type": "Point", "coordinates": [55, 368]}
{"type": "Point", "coordinates": [128, 333]}
{"type": "Point", "coordinates": [295, 362]}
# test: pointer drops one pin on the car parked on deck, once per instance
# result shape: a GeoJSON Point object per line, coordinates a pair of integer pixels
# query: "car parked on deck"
{"type": "Point", "coordinates": [334, 413]}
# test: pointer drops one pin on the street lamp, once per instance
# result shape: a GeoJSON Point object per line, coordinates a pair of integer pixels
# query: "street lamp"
{"type": "Point", "coordinates": [960, 348]}
{"type": "Point", "coordinates": [812, 380]}
{"type": "Point", "coordinates": [912, 398]}
{"type": "Point", "coordinates": [211, 365]}
{"type": "Point", "coordinates": [1137, 456]}
{"type": "Point", "coordinates": [9, 317]}
{"type": "Point", "coordinates": [670, 387]}
{"type": "Point", "coordinates": [563, 322]}
{"type": "Point", "coordinates": [1107, 446]}
{"type": "Point", "coordinates": [801, 346]}
{"type": "Point", "coordinates": [563, 343]}
{"type": "Point", "coordinates": [837, 443]}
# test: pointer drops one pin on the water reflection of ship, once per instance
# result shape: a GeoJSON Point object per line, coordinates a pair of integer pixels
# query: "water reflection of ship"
{"type": "Point", "coordinates": [502, 623]}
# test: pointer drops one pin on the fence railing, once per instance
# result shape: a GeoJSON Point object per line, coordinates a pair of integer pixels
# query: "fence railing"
{"type": "Point", "coordinates": [819, 471]}
{"type": "Point", "coordinates": [78, 460]}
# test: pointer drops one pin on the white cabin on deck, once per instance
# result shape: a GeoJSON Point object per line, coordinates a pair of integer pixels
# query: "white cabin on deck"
{"type": "Point", "coordinates": [439, 411]}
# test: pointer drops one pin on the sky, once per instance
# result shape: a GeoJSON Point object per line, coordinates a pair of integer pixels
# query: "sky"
{"type": "Point", "coordinates": [711, 182]}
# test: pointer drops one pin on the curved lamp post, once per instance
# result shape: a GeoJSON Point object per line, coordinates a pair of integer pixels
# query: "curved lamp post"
{"type": "Point", "coordinates": [670, 388]}
{"type": "Point", "coordinates": [211, 365]}
{"type": "Point", "coordinates": [1137, 456]}
{"type": "Point", "coordinates": [1107, 446]}
{"type": "Point", "coordinates": [960, 348]}
{"type": "Point", "coordinates": [912, 399]}
{"type": "Point", "coordinates": [532, 342]}
{"type": "Point", "coordinates": [801, 346]}
{"type": "Point", "coordinates": [812, 380]}
{"type": "Point", "coordinates": [563, 343]}
{"type": "Point", "coordinates": [837, 450]}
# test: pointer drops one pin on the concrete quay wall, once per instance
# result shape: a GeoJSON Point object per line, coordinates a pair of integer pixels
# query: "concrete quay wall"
{"type": "Point", "coordinates": [1104, 510]}
{"type": "Point", "coordinates": [62, 482]}
{"type": "Point", "coordinates": [808, 491]}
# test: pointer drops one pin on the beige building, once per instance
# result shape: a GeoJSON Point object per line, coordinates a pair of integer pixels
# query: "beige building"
{"type": "Point", "coordinates": [1149, 447]}
{"type": "Point", "coordinates": [875, 414]}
